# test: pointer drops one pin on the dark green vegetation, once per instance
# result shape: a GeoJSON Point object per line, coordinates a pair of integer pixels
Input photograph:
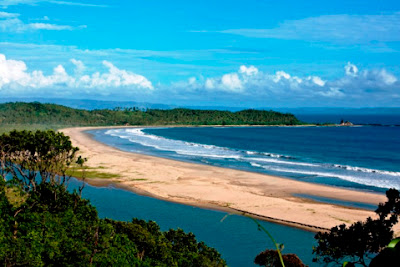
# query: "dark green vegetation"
{"type": "Point", "coordinates": [56, 116]}
{"type": "Point", "coordinates": [274, 257]}
{"type": "Point", "coordinates": [389, 255]}
{"type": "Point", "coordinates": [349, 246]}
{"type": "Point", "coordinates": [362, 240]}
{"type": "Point", "coordinates": [271, 258]}
{"type": "Point", "coordinates": [43, 224]}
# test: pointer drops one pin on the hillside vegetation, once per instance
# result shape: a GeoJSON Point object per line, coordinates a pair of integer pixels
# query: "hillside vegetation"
{"type": "Point", "coordinates": [38, 114]}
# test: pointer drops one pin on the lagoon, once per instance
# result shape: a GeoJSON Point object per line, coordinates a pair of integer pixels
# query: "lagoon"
{"type": "Point", "coordinates": [236, 237]}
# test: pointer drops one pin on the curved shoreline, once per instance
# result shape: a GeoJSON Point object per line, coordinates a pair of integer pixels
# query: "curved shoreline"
{"type": "Point", "coordinates": [262, 196]}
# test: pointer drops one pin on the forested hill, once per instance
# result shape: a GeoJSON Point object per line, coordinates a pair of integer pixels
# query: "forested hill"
{"type": "Point", "coordinates": [51, 114]}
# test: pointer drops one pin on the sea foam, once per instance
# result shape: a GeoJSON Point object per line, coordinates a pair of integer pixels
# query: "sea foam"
{"type": "Point", "coordinates": [263, 161]}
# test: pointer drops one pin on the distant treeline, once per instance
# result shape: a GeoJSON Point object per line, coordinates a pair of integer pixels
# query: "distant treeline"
{"type": "Point", "coordinates": [37, 113]}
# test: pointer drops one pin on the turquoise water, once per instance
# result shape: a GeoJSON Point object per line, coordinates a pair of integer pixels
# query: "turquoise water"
{"type": "Point", "coordinates": [236, 237]}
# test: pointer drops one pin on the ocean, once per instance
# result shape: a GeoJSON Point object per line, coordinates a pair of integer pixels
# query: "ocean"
{"type": "Point", "coordinates": [362, 158]}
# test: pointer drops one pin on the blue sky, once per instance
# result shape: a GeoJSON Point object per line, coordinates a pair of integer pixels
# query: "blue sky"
{"type": "Point", "coordinates": [254, 53]}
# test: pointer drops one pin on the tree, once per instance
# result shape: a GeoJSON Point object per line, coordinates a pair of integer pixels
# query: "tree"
{"type": "Point", "coordinates": [362, 240]}
{"type": "Point", "coordinates": [51, 226]}
{"type": "Point", "coordinates": [270, 258]}
{"type": "Point", "coordinates": [390, 256]}
{"type": "Point", "coordinates": [36, 157]}
{"type": "Point", "coordinates": [51, 114]}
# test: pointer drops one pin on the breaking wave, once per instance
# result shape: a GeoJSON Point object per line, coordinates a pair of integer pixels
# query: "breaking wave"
{"type": "Point", "coordinates": [260, 161]}
{"type": "Point", "coordinates": [360, 169]}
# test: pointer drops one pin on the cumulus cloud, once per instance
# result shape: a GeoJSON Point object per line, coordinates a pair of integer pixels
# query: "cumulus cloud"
{"type": "Point", "coordinates": [281, 75]}
{"type": "Point", "coordinates": [14, 75]}
{"type": "Point", "coordinates": [317, 80]}
{"type": "Point", "coordinates": [248, 81]}
{"type": "Point", "coordinates": [332, 92]}
{"type": "Point", "coordinates": [368, 82]}
{"type": "Point", "coordinates": [231, 82]}
{"type": "Point", "coordinates": [248, 70]}
{"type": "Point", "coordinates": [79, 66]}
{"type": "Point", "coordinates": [248, 84]}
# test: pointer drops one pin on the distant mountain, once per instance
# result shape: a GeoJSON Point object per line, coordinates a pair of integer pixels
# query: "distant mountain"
{"type": "Point", "coordinates": [89, 104]}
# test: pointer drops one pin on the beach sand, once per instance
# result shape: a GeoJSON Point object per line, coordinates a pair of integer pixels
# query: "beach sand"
{"type": "Point", "coordinates": [270, 197]}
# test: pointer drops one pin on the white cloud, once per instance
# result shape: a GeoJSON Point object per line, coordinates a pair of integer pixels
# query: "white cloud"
{"type": "Point", "coordinates": [248, 70]}
{"type": "Point", "coordinates": [209, 84]}
{"type": "Point", "coordinates": [370, 81]}
{"type": "Point", "coordinates": [386, 77]}
{"type": "Point", "coordinates": [6, 3]}
{"type": "Point", "coordinates": [11, 70]}
{"type": "Point", "coordinates": [14, 75]}
{"type": "Point", "coordinates": [317, 80]}
{"type": "Point", "coordinates": [9, 22]}
{"type": "Point", "coordinates": [231, 82]}
{"type": "Point", "coordinates": [351, 69]}
{"type": "Point", "coordinates": [332, 92]}
{"type": "Point", "coordinates": [156, 64]}
{"type": "Point", "coordinates": [79, 66]}
{"type": "Point", "coordinates": [44, 18]}
{"type": "Point", "coordinates": [192, 80]}
{"type": "Point", "coordinates": [281, 74]}
{"type": "Point", "coordinates": [6, 15]}
{"type": "Point", "coordinates": [250, 82]}
{"type": "Point", "coordinates": [116, 78]}
{"type": "Point", "coordinates": [69, 3]}
{"type": "Point", "coordinates": [340, 28]}
{"type": "Point", "coordinates": [47, 26]}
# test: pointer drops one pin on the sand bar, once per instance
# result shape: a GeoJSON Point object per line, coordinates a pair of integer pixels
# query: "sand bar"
{"type": "Point", "coordinates": [268, 196]}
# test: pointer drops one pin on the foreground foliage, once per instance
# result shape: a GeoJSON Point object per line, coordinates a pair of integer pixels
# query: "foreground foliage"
{"type": "Point", "coordinates": [389, 256]}
{"type": "Point", "coordinates": [37, 157]}
{"type": "Point", "coordinates": [362, 240]}
{"type": "Point", "coordinates": [59, 228]}
{"type": "Point", "coordinates": [270, 258]}
{"type": "Point", "coordinates": [51, 114]}
{"type": "Point", "coordinates": [51, 226]}
{"type": "Point", "coordinates": [352, 245]}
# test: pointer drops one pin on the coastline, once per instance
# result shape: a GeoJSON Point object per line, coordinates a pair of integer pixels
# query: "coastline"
{"type": "Point", "coordinates": [258, 195]}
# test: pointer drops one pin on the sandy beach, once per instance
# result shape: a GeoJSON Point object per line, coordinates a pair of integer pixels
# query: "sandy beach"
{"type": "Point", "coordinates": [272, 198]}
